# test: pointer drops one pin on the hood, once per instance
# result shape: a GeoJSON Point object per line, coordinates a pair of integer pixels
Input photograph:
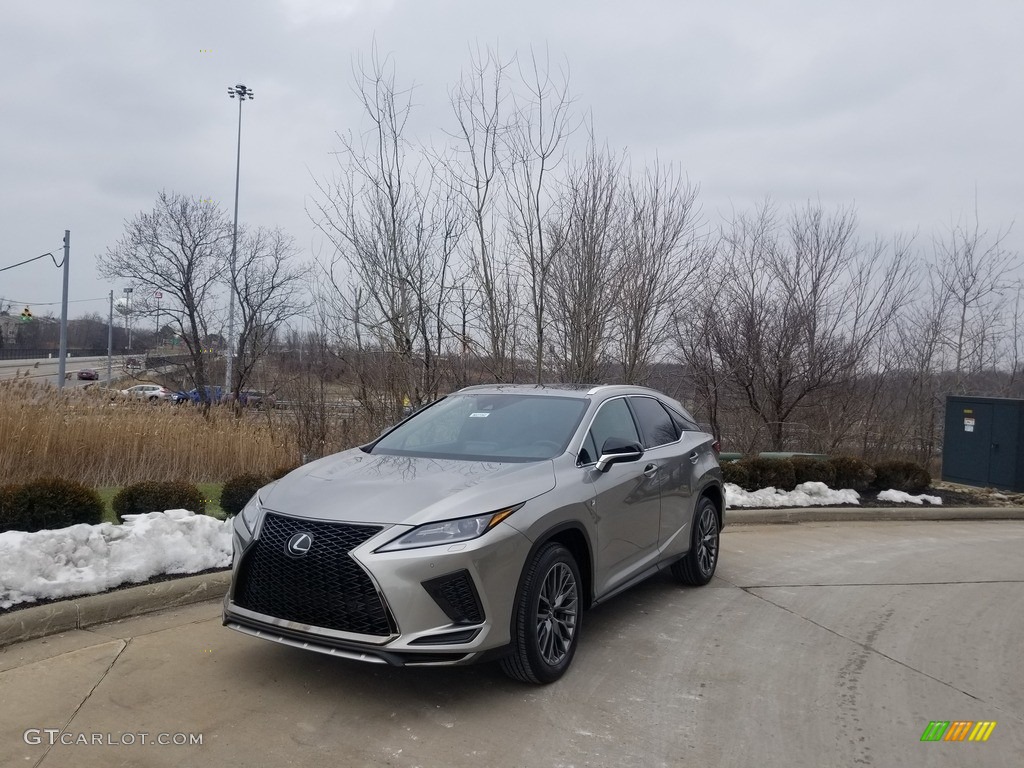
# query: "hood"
{"type": "Point", "coordinates": [358, 487]}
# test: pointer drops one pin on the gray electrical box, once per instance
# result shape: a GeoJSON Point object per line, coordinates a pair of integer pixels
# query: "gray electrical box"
{"type": "Point", "coordinates": [984, 442]}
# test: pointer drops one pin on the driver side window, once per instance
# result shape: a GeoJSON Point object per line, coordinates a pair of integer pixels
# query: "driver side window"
{"type": "Point", "coordinates": [612, 420]}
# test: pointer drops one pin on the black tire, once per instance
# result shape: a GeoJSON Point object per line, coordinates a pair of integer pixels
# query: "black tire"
{"type": "Point", "coordinates": [545, 632]}
{"type": "Point", "coordinates": [698, 566]}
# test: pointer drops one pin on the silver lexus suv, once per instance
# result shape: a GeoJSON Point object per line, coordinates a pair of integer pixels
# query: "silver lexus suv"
{"type": "Point", "coordinates": [480, 528]}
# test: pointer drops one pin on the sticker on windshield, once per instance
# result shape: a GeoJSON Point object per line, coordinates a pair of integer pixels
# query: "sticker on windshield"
{"type": "Point", "coordinates": [479, 415]}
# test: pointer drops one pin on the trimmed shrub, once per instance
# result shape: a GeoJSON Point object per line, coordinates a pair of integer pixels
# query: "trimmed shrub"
{"type": "Point", "coordinates": [809, 470]}
{"type": "Point", "coordinates": [765, 473]}
{"type": "Point", "coordinates": [153, 496]}
{"type": "Point", "coordinates": [901, 476]}
{"type": "Point", "coordinates": [852, 473]}
{"type": "Point", "coordinates": [238, 490]}
{"type": "Point", "coordinates": [279, 472]}
{"type": "Point", "coordinates": [9, 521]}
{"type": "Point", "coordinates": [736, 473]}
{"type": "Point", "coordinates": [49, 503]}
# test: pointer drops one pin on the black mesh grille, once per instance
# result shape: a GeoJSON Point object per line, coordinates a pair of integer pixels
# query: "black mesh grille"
{"type": "Point", "coordinates": [324, 588]}
{"type": "Point", "coordinates": [457, 597]}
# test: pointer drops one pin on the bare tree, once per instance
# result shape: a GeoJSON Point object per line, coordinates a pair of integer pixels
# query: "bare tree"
{"type": "Point", "coordinates": [800, 308]}
{"type": "Point", "coordinates": [972, 267]}
{"type": "Point", "coordinates": [536, 143]}
{"type": "Point", "coordinates": [664, 257]}
{"type": "Point", "coordinates": [176, 249]}
{"type": "Point", "coordinates": [394, 223]}
{"type": "Point", "coordinates": [268, 284]}
{"type": "Point", "coordinates": [1016, 340]}
{"type": "Point", "coordinates": [583, 272]}
{"type": "Point", "coordinates": [477, 165]}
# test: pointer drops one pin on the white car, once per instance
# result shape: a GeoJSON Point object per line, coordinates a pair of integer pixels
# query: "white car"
{"type": "Point", "coordinates": [151, 392]}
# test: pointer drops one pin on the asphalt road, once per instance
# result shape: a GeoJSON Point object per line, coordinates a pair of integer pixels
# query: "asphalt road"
{"type": "Point", "coordinates": [821, 644]}
{"type": "Point", "coordinates": [46, 369]}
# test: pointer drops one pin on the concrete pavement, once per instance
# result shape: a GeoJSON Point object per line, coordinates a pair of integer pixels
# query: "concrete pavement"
{"type": "Point", "coordinates": [817, 644]}
{"type": "Point", "coordinates": [83, 612]}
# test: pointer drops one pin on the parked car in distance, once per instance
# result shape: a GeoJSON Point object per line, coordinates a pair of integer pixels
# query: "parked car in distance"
{"type": "Point", "coordinates": [151, 392]}
{"type": "Point", "coordinates": [132, 364]}
{"type": "Point", "coordinates": [481, 527]}
{"type": "Point", "coordinates": [213, 394]}
{"type": "Point", "coordinates": [88, 374]}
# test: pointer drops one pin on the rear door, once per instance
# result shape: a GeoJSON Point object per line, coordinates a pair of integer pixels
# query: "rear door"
{"type": "Point", "coordinates": [672, 459]}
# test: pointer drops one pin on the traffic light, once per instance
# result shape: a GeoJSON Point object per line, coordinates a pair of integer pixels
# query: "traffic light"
{"type": "Point", "coordinates": [26, 315]}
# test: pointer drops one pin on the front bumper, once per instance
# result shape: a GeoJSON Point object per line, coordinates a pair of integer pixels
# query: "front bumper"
{"type": "Point", "coordinates": [446, 604]}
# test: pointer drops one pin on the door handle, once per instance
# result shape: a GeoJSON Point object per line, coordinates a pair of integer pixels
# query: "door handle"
{"type": "Point", "coordinates": [650, 470]}
{"type": "Point", "coordinates": [694, 457]}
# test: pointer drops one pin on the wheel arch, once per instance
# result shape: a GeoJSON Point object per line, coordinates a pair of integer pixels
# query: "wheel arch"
{"type": "Point", "coordinates": [573, 537]}
{"type": "Point", "coordinates": [714, 492]}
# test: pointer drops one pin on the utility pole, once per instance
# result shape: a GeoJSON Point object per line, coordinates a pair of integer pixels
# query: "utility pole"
{"type": "Point", "coordinates": [62, 367]}
{"type": "Point", "coordinates": [110, 340]}
{"type": "Point", "coordinates": [242, 93]}
{"type": "Point", "coordinates": [128, 316]}
{"type": "Point", "coordinates": [159, 295]}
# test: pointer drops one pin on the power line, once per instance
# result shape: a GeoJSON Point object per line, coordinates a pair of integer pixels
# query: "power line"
{"type": "Point", "coordinates": [35, 258]}
{"type": "Point", "coordinates": [51, 303]}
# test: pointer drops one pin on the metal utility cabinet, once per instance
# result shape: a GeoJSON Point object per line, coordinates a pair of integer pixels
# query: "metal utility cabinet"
{"type": "Point", "coordinates": [984, 442]}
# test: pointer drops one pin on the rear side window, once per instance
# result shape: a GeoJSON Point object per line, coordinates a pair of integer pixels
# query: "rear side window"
{"type": "Point", "coordinates": [655, 422]}
{"type": "Point", "coordinates": [684, 423]}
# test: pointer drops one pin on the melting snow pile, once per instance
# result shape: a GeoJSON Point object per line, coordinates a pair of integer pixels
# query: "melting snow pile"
{"type": "Point", "coordinates": [87, 559]}
{"type": "Point", "coordinates": [812, 495]}
{"type": "Point", "coordinates": [901, 497]}
{"type": "Point", "coordinates": [805, 495]}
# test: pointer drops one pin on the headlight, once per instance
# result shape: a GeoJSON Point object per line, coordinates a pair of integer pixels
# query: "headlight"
{"type": "Point", "coordinates": [250, 513]}
{"type": "Point", "coordinates": [448, 531]}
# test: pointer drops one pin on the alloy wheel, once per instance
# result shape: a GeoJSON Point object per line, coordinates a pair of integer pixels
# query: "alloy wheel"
{"type": "Point", "coordinates": [556, 613]}
{"type": "Point", "coordinates": [707, 537]}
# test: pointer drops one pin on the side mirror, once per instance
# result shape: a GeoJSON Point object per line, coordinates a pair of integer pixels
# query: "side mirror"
{"type": "Point", "coordinates": [617, 450]}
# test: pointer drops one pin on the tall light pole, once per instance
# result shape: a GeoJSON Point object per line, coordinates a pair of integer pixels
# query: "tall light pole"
{"type": "Point", "coordinates": [128, 315]}
{"type": "Point", "coordinates": [242, 93]}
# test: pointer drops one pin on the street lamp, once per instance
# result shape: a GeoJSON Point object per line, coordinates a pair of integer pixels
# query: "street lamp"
{"type": "Point", "coordinates": [127, 315]}
{"type": "Point", "coordinates": [242, 93]}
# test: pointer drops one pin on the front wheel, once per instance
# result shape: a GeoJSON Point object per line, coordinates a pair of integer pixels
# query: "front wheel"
{"type": "Point", "coordinates": [698, 566]}
{"type": "Point", "coordinates": [546, 623]}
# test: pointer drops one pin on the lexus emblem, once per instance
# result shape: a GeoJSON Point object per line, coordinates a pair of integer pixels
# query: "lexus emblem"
{"type": "Point", "coordinates": [299, 544]}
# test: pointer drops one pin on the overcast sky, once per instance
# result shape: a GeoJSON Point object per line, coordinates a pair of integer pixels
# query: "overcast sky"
{"type": "Point", "coordinates": [908, 110]}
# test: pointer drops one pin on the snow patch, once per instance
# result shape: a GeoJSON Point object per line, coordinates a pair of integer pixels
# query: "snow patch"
{"type": "Point", "coordinates": [810, 494]}
{"type": "Point", "coordinates": [88, 559]}
{"type": "Point", "coordinates": [901, 497]}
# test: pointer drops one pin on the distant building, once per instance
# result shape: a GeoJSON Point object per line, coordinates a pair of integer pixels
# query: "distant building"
{"type": "Point", "coordinates": [9, 330]}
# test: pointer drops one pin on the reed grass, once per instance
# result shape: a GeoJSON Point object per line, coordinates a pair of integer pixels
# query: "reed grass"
{"type": "Point", "coordinates": [104, 439]}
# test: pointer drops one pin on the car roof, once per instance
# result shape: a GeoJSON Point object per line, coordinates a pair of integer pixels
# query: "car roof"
{"type": "Point", "coordinates": [562, 390]}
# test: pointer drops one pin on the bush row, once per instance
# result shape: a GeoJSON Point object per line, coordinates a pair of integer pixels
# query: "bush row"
{"type": "Point", "coordinates": [53, 502]}
{"type": "Point", "coordinates": [238, 490]}
{"type": "Point", "coordinates": [48, 503]}
{"type": "Point", "coordinates": [755, 473]}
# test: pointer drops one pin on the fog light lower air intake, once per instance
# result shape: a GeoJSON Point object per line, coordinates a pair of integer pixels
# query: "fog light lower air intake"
{"type": "Point", "coordinates": [456, 595]}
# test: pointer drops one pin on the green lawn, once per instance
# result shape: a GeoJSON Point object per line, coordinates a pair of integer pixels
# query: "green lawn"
{"type": "Point", "coordinates": [210, 491]}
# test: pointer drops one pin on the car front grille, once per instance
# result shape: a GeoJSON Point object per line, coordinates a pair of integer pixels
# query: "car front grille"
{"type": "Point", "coordinates": [324, 587]}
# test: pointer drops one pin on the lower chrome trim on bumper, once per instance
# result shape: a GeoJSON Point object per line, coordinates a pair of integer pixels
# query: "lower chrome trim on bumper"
{"type": "Point", "coordinates": [343, 649]}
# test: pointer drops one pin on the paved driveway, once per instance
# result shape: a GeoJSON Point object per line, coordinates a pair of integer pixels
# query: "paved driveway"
{"type": "Point", "coordinates": [827, 644]}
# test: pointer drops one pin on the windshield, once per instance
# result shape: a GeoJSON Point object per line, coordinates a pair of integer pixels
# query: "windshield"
{"type": "Point", "coordinates": [488, 427]}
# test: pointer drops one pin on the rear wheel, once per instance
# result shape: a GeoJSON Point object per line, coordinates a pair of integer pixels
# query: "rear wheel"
{"type": "Point", "coordinates": [545, 626]}
{"type": "Point", "coordinates": [698, 566]}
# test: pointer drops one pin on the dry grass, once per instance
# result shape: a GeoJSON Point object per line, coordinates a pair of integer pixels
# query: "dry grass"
{"type": "Point", "coordinates": [88, 436]}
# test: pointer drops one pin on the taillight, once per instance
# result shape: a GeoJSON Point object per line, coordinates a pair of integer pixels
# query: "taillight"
{"type": "Point", "coordinates": [716, 446]}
